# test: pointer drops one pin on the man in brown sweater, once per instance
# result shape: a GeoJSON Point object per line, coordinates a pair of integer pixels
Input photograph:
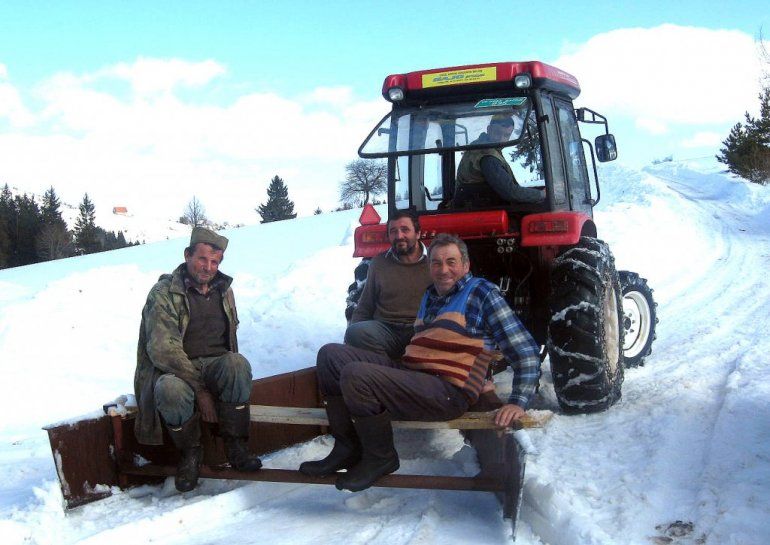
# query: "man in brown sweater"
{"type": "Point", "coordinates": [383, 321]}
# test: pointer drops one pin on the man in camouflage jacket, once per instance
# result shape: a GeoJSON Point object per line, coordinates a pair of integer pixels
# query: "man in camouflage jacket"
{"type": "Point", "coordinates": [188, 366]}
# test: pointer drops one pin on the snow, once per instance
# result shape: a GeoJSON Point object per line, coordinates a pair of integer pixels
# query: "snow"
{"type": "Point", "coordinates": [683, 458]}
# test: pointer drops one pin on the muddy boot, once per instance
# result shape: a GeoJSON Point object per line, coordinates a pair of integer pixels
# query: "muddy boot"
{"type": "Point", "coordinates": [346, 451]}
{"type": "Point", "coordinates": [187, 439]}
{"type": "Point", "coordinates": [234, 429]}
{"type": "Point", "coordinates": [378, 456]}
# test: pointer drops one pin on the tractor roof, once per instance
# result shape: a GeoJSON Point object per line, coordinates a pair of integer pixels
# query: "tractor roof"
{"type": "Point", "coordinates": [462, 79]}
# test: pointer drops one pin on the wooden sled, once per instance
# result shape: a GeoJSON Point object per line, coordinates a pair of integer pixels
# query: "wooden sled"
{"type": "Point", "coordinates": [94, 454]}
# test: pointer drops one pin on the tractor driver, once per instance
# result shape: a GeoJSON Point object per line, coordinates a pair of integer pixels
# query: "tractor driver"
{"type": "Point", "coordinates": [188, 366]}
{"type": "Point", "coordinates": [441, 374]}
{"type": "Point", "coordinates": [484, 177]}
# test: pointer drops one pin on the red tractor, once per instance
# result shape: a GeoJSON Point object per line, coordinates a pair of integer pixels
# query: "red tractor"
{"type": "Point", "coordinates": [541, 245]}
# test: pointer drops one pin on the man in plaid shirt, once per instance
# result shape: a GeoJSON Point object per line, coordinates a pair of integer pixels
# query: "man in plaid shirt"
{"type": "Point", "coordinates": [441, 374]}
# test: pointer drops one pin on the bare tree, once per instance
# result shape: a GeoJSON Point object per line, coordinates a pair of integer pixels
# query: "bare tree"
{"type": "Point", "coordinates": [195, 213]}
{"type": "Point", "coordinates": [363, 178]}
{"type": "Point", "coordinates": [54, 242]}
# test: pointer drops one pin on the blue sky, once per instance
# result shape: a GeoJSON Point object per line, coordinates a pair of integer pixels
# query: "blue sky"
{"type": "Point", "coordinates": [157, 72]}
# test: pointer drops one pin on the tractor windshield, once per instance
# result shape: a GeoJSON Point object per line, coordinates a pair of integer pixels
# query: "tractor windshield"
{"type": "Point", "coordinates": [425, 146]}
{"type": "Point", "coordinates": [445, 127]}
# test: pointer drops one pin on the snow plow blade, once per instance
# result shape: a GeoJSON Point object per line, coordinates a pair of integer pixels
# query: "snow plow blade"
{"type": "Point", "coordinates": [96, 454]}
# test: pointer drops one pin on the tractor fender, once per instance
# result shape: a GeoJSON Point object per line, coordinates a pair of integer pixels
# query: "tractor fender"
{"type": "Point", "coordinates": [370, 240]}
{"type": "Point", "coordinates": [556, 228]}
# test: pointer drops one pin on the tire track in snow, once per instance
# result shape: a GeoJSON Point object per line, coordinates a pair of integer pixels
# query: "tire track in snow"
{"type": "Point", "coordinates": [652, 452]}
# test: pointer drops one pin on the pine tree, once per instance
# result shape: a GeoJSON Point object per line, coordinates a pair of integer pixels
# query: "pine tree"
{"type": "Point", "coordinates": [86, 233]}
{"type": "Point", "coordinates": [49, 209]}
{"type": "Point", "coordinates": [278, 206]}
{"type": "Point", "coordinates": [25, 229]}
{"type": "Point", "coordinates": [54, 240]}
{"type": "Point", "coordinates": [6, 213]}
{"type": "Point", "coordinates": [746, 150]}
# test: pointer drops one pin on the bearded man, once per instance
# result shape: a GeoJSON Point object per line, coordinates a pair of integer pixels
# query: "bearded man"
{"type": "Point", "coordinates": [383, 321]}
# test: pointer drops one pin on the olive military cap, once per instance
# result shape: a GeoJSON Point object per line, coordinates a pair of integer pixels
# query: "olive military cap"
{"type": "Point", "coordinates": [207, 236]}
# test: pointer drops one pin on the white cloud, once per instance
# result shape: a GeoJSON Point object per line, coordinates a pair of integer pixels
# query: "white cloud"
{"type": "Point", "coordinates": [703, 140]}
{"type": "Point", "coordinates": [155, 149]}
{"type": "Point", "coordinates": [11, 105]}
{"type": "Point", "coordinates": [671, 74]}
{"type": "Point", "coordinates": [653, 126]}
{"type": "Point", "coordinates": [162, 75]}
{"type": "Point", "coordinates": [337, 96]}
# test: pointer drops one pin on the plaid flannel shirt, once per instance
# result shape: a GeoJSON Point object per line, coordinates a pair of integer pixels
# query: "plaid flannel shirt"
{"type": "Point", "coordinates": [488, 314]}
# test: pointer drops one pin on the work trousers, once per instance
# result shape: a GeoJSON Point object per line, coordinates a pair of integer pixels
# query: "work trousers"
{"type": "Point", "coordinates": [371, 383]}
{"type": "Point", "coordinates": [227, 377]}
{"type": "Point", "coordinates": [381, 337]}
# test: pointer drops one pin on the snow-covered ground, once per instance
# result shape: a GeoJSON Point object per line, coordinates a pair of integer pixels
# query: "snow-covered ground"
{"type": "Point", "coordinates": [684, 458]}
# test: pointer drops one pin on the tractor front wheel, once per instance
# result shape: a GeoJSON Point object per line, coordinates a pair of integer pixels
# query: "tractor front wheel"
{"type": "Point", "coordinates": [585, 333]}
{"type": "Point", "coordinates": [639, 318]}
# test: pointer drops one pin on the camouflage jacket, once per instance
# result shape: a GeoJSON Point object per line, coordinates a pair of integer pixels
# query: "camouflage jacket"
{"type": "Point", "coordinates": [165, 317]}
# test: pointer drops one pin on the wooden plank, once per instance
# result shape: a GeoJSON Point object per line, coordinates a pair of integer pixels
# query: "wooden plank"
{"type": "Point", "coordinates": [317, 417]}
{"type": "Point", "coordinates": [394, 480]}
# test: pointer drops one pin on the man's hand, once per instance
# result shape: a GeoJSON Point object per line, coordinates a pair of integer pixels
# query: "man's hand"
{"type": "Point", "coordinates": [507, 414]}
{"type": "Point", "coordinates": [206, 406]}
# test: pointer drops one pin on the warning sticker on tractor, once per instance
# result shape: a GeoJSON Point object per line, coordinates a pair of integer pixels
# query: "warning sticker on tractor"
{"type": "Point", "coordinates": [497, 102]}
{"type": "Point", "coordinates": [457, 77]}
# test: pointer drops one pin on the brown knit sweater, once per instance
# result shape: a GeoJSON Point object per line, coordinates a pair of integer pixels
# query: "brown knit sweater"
{"type": "Point", "coordinates": [393, 290]}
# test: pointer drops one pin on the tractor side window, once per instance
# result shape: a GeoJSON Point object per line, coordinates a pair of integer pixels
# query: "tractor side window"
{"type": "Point", "coordinates": [401, 197]}
{"type": "Point", "coordinates": [559, 186]}
{"type": "Point", "coordinates": [577, 173]}
{"type": "Point", "coordinates": [432, 175]}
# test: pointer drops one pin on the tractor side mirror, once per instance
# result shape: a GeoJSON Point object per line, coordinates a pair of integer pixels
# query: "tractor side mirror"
{"type": "Point", "coordinates": [606, 149]}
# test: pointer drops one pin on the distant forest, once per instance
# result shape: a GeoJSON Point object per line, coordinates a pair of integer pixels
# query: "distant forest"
{"type": "Point", "coordinates": [32, 232]}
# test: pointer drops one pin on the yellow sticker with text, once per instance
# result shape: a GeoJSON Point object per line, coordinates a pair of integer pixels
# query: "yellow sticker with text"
{"type": "Point", "coordinates": [458, 77]}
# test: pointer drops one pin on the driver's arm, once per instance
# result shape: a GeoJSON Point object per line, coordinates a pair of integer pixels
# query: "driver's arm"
{"type": "Point", "coordinates": [501, 182]}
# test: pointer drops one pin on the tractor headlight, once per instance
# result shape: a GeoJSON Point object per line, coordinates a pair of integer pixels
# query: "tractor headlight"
{"type": "Point", "coordinates": [396, 94]}
{"type": "Point", "coordinates": [522, 81]}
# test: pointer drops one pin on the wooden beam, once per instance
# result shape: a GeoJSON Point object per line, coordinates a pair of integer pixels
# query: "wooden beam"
{"type": "Point", "coordinates": [317, 417]}
{"type": "Point", "coordinates": [394, 480]}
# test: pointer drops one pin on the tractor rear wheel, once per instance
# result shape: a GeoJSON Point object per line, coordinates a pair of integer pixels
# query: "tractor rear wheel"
{"type": "Point", "coordinates": [639, 318]}
{"type": "Point", "coordinates": [585, 333]}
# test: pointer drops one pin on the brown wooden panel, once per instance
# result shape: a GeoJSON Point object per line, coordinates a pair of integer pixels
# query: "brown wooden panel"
{"type": "Point", "coordinates": [83, 456]}
{"type": "Point", "coordinates": [501, 457]}
{"type": "Point", "coordinates": [295, 389]}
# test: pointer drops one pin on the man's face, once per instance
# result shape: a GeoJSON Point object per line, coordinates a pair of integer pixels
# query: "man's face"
{"type": "Point", "coordinates": [203, 263]}
{"type": "Point", "coordinates": [500, 132]}
{"type": "Point", "coordinates": [402, 236]}
{"type": "Point", "coordinates": [447, 267]}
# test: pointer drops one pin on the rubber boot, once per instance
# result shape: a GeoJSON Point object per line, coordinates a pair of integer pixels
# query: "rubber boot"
{"type": "Point", "coordinates": [378, 456]}
{"type": "Point", "coordinates": [234, 428]}
{"type": "Point", "coordinates": [187, 438]}
{"type": "Point", "coordinates": [346, 451]}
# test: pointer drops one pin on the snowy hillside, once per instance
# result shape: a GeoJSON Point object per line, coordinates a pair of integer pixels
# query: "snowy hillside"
{"type": "Point", "coordinates": [684, 458]}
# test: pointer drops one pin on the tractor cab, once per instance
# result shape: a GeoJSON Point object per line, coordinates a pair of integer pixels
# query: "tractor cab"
{"type": "Point", "coordinates": [438, 116]}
